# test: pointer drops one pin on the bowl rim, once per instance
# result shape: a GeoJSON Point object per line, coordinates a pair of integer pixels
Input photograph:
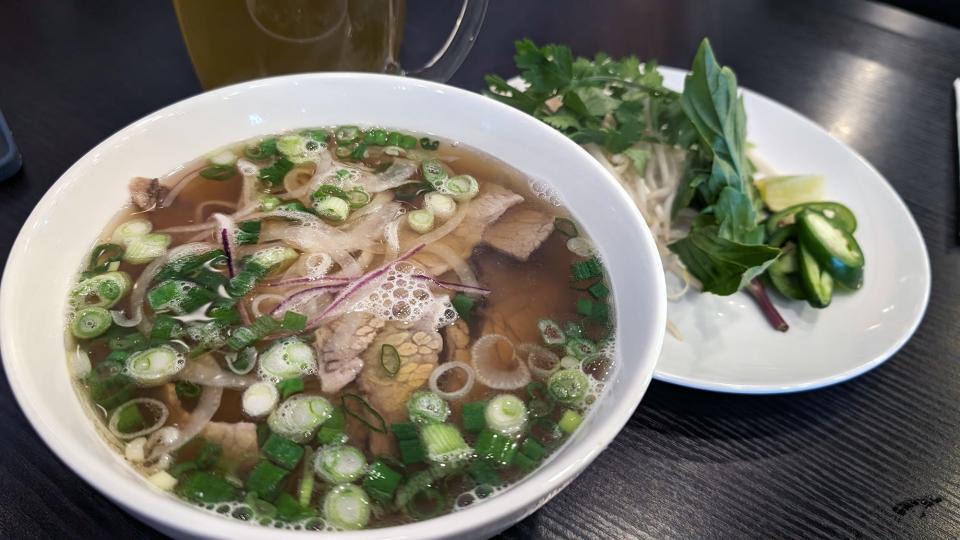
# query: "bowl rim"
{"type": "Point", "coordinates": [521, 499]}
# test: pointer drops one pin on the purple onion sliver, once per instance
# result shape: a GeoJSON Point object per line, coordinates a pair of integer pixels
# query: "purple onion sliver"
{"type": "Point", "coordinates": [457, 287]}
{"type": "Point", "coordinates": [356, 285]}
{"type": "Point", "coordinates": [302, 296]}
{"type": "Point", "coordinates": [308, 279]}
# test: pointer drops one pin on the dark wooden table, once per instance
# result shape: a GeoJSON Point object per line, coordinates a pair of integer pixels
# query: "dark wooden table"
{"type": "Point", "coordinates": [875, 457]}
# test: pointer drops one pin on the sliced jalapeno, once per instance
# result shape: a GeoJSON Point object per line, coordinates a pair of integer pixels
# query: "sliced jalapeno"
{"type": "Point", "coordinates": [835, 212]}
{"type": "Point", "coordinates": [834, 248]}
{"type": "Point", "coordinates": [816, 282]}
{"type": "Point", "coordinates": [785, 277]}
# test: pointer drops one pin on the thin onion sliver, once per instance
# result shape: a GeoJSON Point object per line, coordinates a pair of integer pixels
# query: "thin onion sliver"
{"type": "Point", "coordinates": [460, 392]}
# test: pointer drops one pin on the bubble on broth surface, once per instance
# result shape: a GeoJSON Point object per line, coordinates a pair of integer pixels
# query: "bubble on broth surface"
{"type": "Point", "coordinates": [546, 192]}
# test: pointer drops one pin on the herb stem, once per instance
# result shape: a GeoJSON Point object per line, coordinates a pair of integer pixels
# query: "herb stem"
{"type": "Point", "coordinates": [766, 306]}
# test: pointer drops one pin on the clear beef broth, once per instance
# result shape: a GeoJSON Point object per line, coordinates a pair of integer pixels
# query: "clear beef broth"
{"type": "Point", "coordinates": [519, 293]}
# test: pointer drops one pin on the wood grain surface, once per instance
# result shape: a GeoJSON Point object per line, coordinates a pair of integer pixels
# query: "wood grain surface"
{"type": "Point", "coordinates": [877, 457]}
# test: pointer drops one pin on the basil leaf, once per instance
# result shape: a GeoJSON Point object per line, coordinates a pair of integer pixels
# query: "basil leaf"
{"type": "Point", "coordinates": [722, 266]}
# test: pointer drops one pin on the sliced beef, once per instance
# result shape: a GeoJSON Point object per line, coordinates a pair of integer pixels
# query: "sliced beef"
{"type": "Point", "coordinates": [339, 345]}
{"type": "Point", "coordinates": [520, 231]}
{"type": "Point", "coordinates": [147, 193]}
{"type": "Point", "coordinates": [237, 439]}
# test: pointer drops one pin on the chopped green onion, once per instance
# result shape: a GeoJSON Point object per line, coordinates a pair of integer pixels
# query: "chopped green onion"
{"type": "Point", "coordinates": [329, 190]}
{"type": "Point", "coordinates": [586, 269]}
{"type": "Point", "coordinates": [346, 134]}
{"type": "Point", "coordinates": [389, 359]}
{"type": "Point", "coordinates": [319, 135]}
{"type": "Point", "coordinates": [289, 509]}
{"type": "Point", "coordinates": [570, 421]}
{"type": "Point", "coordinates": [533, 449]}
{"type": "Point", "coordinates": [381, 481]}
{"type": "Point", "coordinates": [551, 333]}
{"type": "Point", "coordinates": [187, 390]}
{"type": "Point", "coordinates": [347, 506]}
{"type": "Point", "coordinates": [506, 414]}
{"type": "Point", "coordinates": [262, 150]}
{"type": "Point", "coordinates": [266, 479]}
{"type": "Point", "coordinates": [293, 321]}
{"type": "Point", "coordinates": [408, 442]}
{"type": "Point", "coordinates": [260, 399]}
{"type": "Point", "coordinates": [339, 464]}
{"type": "Point", "coordinates": [427, 408]}
{"type": "Point", "coordinates": [269, 202]}
{"type": "Point", "coordinates": [182, 468]}
{"type": "Point", "coordinates": [102, 258]}
{"type": "Point", "coordinates": [580, 348]}
{"type": "Point", "coordinates": [287, 359]}
{"type": "Point", "coordinates": [248, 232]}
{"type": "Point", "coordinates": [358, 198]}
{"type": "Point", "coordinates": [332, 431]}
{"type": "Point", "coordinates": [154, 366]}
{"type": "Point", "coordinates": [359, 151]}
{"type": "Point", "coordinates": [599, 290]}
{"type": "Point", "coordinates": [572, 329]}
{"type": "Point", "coordinates": [566, 227]}
{"type": "Point", "coordinates": [495, 447]}
{"type": "Point", "coordinates": [209, 454]}
{"type": "Point", "coordinates": [332, 208]}
{"type": "Point", "coordinates": [207, 487]}
{"type": "Point", "coordinates": [366, 414]}
{"type": "Point", "coordinates": [464, 305]}
{"type": "Point", "coordinates": [568, 385]}
{"type": "Point", "coordinates": [421, 221]}
{"type": "Point", "coordinates": [290, 145]}
{"type": "Point", "coordinates": [261, 508]}
{"type": "Point", "coordinates": [90, 322]}
{"type": "Point", "coordinates": [540, 408]}
{"type": "Point", "coordinates": [523, 462]}
{"type": "Point", "coordinates": [473, 417]}
{"type": "Point", "coordinates": [225, 157]}
{"type": "Point", "coordinates": [165, 328]}
{"type": "Point", "coordinates": [103, 290]}
{"type": "Point", "coordinates": [272, 257]}
{"type": "Point", "coordinates": [130, 230]}
{"type": "Point", "coordinates": [305, 489]}
{"type": "Point", "coordinates": [299, 417]}
{"type": "Point", "coordinates": [444, 444]}
{"type": "Point", "coordinates": [407, 142]}
{"type": "Point", "coordinates": [434, 172]}
{"type": "Point", "coordinates": [483, 472]}
{"type": "Point", "coordinates": [427, 144]}
{"type": "Point", "coordinates": [219, 172]}
{"type": "Point", "coordinates": [109, 386]}
{"type": "Point", "coordinates": [290, 387]}
{"type": "Point", "coordinates": [243, 337]}
{"type": "Point", "coordinates": [375, 137]}
{"type": "Point", "coordinates": [178, 296]}
{"type": "Point", "coordinates": [273, 175]}
{"type": "Point", "coordinates": [462, 187]}
{"type": "Point", "coordinates": [434, 498]}
{"type": "Point", "coordinates": [442, 206]}
{"type": "Point", "coordinates": [593, 310]}
{"type": "Point", "coordinates": [282, 451]}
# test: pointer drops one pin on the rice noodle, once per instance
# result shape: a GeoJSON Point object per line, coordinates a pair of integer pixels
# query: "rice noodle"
{"type": "Point", "coordinates": [206, 226]}
{"type": "Point", "coordinates": [200, 416]}
{"type": "Point", "coordinates": [349, 267]}
{"type": "Point", "coordinates": [457, 264]}
{"type": "Point", "coordinates": [205, 371]}
{"type": "Point", "coordinates": [198, 213]}
{"type": "Point", "coordinates": [391, 234]}
{"type": "Point", "coordinates": [180, 186]}
{"type": "Point", "coordinates": [297, 178]}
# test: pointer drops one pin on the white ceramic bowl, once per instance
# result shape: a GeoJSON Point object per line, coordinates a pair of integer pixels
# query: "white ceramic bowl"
{"type": "Point", "coordinates": [59, 232]}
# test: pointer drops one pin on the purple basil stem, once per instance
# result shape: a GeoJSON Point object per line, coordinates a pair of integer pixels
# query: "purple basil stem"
{"type": "Point", "coordinates": [766, 306]}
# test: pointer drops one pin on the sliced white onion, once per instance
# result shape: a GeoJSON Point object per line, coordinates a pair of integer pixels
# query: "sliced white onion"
{"type": "Point", "coordinates": [455, 262]}
{"type": "Point", "coordinates": [163, 480]}
{"type": "Point", "coordinates": [484, 356]}
{"type": "Point", "coordinates": [460, 392]}
{"type": "Point", "coordinates": [80, 364]}
{"type": "Point", "coordinates": [120, 319]}
{"type": "Point", "coordinates": [160, 465]}
{"type": "Point", "coordinates": [134, 450]}
{"type": "Point", "coordinates": [536, 356]}
{"type": "Point", "coordinates": [569, 362]}
{"type": "Point", "coordinates": [391, 235]}
{"type": "Point", "coordinates": [206, 372]}
{"type": "Point", "coordinates": [199, 418]}
{"type": "Point", "coordinates": [581, 246]}
{"type": "Point", "coordinates": [260, 399]}
{"type": "Point", "coordinates": [157, 424]}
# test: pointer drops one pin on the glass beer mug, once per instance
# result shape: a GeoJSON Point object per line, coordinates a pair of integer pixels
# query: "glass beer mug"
{"type": "Point", "coordinates": [236, 40]}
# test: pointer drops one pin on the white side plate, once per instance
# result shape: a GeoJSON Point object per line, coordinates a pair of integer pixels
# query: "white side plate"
{"type": "Point", "coordinates": [727, 344]}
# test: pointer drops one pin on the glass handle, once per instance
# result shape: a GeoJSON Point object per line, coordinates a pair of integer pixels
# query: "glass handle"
{"type": "Point", "coordinates": [454, 51]}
